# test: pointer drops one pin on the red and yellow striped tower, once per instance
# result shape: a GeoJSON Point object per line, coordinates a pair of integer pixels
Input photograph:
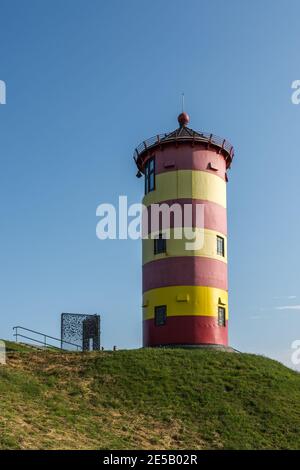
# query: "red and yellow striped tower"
{"type": "Point", "coordinates": [185, 292]}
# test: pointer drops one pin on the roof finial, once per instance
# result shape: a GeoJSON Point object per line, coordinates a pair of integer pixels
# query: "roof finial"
{"type": "Point", "coordinates": [183, 117]}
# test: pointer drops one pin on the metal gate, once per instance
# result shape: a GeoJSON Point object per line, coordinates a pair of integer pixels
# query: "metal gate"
{"type": "Point", "coordinates": [80, 329]}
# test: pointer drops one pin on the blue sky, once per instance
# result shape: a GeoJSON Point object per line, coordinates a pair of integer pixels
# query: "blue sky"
{"type": "Point", "coordinates": [86, 82]}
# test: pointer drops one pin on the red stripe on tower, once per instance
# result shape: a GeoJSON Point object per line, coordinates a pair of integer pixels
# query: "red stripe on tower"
{"type": "Point", "coordinates": [215, 217]}
{"type": "Point", "coordinates": [185, 271]}
{"type": "Point", "coordinates": [185, 331]}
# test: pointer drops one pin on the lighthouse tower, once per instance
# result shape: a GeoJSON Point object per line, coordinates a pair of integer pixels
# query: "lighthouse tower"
{"type": "Point", "coordinates": [185, 291]}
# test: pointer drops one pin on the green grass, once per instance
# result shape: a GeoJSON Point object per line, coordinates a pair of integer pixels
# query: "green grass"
{"type": "Point", "coordinates": [152, 398]}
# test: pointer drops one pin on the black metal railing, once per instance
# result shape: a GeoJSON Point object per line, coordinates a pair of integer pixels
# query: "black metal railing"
{"type": "Point", "coordinates": [196, 137]}
{"type": "Point", "coordinates": [43, 340]}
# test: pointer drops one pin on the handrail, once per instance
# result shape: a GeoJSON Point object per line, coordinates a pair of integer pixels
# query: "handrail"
{"type": "Point", "coordinates": [203, 136]}
{"type": "Point", "coordinates": [208, 138]}
{"type": "Point", "coordinates": [37, 341]}
{"type": "Point", "coordinates": [17, 334]}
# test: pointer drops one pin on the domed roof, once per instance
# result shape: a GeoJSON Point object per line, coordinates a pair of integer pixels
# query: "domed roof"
{"type": "Point", "coordinates": [180, 135]}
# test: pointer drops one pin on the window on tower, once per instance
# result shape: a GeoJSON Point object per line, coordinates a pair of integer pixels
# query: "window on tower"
{"type": "Point", "coordinates": [160, 315]}
{"type": "Point", "coordinates": [221, 316]}
{"type": "Point", "coordinates": [150, 175]}
{"type": "Point", "coordinates": [220, 246]}
{"type": "Point", "coordinates": [160, 244]}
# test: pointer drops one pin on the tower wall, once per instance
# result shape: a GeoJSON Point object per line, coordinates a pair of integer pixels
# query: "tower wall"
{"type": "Point", "coordinates": [185, 289]}
{"type": "Point", "coordinates": [191, 284]}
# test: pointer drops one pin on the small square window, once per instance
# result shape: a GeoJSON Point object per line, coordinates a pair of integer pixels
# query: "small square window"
{"type": "Point", "coordinates": [160, 315]}
{"type": "Point", "coordinates": [221, 316]}
{"type": "Point", "coordinates": [220, 246]}
{"type": "Point", "coordinates": [160, 245]}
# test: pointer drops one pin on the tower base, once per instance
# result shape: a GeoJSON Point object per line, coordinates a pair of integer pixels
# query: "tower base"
{"type": "Point", "coordinates": [218, 347]}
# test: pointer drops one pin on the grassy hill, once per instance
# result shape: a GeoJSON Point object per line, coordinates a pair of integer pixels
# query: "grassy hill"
{"type": "Point", "coordinates": [151, 399]}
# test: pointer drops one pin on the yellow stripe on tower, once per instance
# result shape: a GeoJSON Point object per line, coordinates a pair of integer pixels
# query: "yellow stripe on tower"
{"type": "Point", "coordinates": [185, 300]}
{"type": "Point", "coordinates": [187, 184]}
{"type": "Point", "coordinates": [178, 247]}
